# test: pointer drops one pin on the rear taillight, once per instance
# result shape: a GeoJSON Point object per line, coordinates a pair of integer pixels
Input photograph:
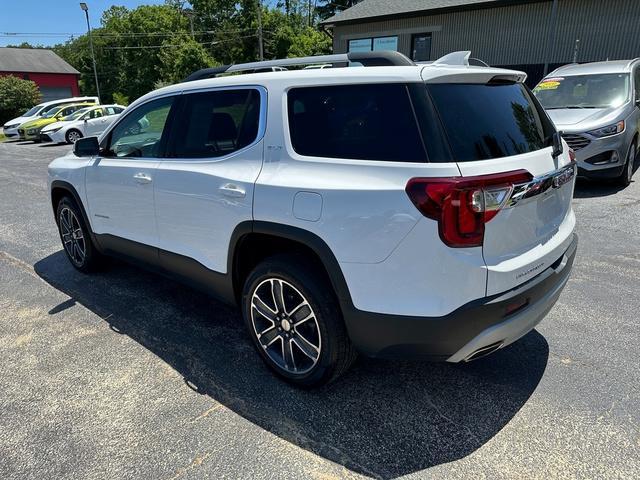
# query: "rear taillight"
{"type": "Point", "coordinates": [463, 205]}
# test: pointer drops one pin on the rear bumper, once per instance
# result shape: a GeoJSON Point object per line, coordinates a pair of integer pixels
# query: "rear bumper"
{"type": "Point", "coordinates": [482, 325]}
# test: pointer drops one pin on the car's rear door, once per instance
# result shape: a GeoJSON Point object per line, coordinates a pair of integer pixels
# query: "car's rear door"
{"type": "Point", "coordinates": [120, 182]}
{"type": "Point", "coordinates": [494, 128]}
{"type": "Point", "coordinates": [204, 187]}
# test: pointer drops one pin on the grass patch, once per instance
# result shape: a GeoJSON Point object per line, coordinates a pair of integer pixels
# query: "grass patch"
{"type": "Point", "coordinates": [2, 137]}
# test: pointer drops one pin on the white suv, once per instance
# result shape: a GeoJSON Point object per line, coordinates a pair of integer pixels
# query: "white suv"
{"type": "Point", "coordinates": [392, 210]}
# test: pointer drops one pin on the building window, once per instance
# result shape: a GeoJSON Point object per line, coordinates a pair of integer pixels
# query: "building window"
{"type": "Point", "coordinates": [373, 44]}
{"type": "Point", "coordinates": [385, 43]}
{"type": "Point", "coordinates": [421, 47]}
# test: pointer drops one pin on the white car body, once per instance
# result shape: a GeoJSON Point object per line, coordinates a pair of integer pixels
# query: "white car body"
{"type": "Point", "coordinates": [10, 128]}
{"type": "Point", "coordinates": [85, 126]}
{"type": "Point", "coordinates": [401, 289]}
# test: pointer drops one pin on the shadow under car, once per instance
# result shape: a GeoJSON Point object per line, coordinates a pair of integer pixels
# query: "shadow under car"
{"type": "Point", "coordinates": [383, 418]}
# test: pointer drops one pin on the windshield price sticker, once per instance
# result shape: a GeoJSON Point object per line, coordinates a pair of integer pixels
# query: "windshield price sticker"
{"type": "Point", "coordinates": [549, 84]}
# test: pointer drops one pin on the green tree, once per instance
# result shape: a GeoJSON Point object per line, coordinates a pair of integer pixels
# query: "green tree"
{"type": "Point", "coordinates": [328, 8]}
{"type": "Point", "coordinates": [178, 62]}
{"type": "Point", "coordinates": [16, 97]}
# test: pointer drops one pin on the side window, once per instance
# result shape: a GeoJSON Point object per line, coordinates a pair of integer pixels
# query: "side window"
{"type": "Point", "coordinates": [637, 83]}
{"type": "Point", "coordinates": [68, 111]}
{"type": "Point", "coordinates": [95, 113]}
{"type": "Point", "coordinates": [214, 124]}
{"type": "Point", "coordinates": [113, 110]}
{"type": "Point", "coordinates": [139, 133]}
{"type": "Point", "coordinates": [361, 122]}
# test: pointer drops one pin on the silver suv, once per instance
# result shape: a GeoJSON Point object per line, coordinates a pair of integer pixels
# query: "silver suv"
{"type": "Point", "coordinates": [597, 107]}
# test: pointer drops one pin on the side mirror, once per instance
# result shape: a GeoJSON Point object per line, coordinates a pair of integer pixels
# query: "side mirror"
{"type": "Point", "coordinates": [86, 147]}
{"type": "Point", "coordinates": [558, 149]}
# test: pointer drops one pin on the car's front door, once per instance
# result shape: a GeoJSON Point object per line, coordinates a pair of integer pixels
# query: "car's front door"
{"type": "Point", "coordinates": [204, 185]}
{"type": "Point", "coordinates": [94, 122]}
{"type": "Point", "coordinates": [119, 182]}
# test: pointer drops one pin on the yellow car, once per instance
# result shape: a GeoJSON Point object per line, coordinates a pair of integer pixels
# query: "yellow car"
{"type": "Point", "coordinates": [31, 129]}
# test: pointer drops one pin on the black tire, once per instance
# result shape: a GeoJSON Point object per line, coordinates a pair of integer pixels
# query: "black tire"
{"type": "Point", "coordinates": [73, 131]}
{"type": "Point", "coordinates": [624, 180]}
{"type": "Point", "coordinates": [336, 353]}
{"type": "Point", "coordinates": [90, 260]}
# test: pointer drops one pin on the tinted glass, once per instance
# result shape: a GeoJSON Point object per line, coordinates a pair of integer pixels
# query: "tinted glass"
{"type": "Point", "coordinates": [78, 113]}
{"type": "Point", "coordinates": [482, 122]}
{"type": "Point", "coordinates": [214, 124]}
{"type": "Point", "coordinates": [32, 111]}
{"type": "Point", "coordinates": [362, 122]}
{"type": "Point", "coordinates": [140, 132]}
{"type": "Point", "coordinates": [52, 112]}
{"type": "Point", "coordinates": [637, 81]}
{"type": "Point", "coordinates": [584, 91]}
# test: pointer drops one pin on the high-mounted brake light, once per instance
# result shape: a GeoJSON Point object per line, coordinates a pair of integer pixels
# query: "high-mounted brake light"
{"type": "Point", "coordinates": [463, 205]}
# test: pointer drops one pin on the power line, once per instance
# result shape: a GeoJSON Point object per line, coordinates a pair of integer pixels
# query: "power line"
{"type": "Point", "coordinates": [116, 34]}
{"type": "Point", "coordinates": [142, 47]}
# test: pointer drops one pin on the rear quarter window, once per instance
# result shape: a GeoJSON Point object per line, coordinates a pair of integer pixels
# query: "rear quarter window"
{"type": "Point", "coordinates": [487, 121]}
{"type": "Point", "coordinates": [360, 122]}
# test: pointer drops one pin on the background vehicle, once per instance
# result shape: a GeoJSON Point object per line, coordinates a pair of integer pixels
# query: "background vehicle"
{"type": "Point", "coordinates": [31, 130]}
{"type": "Point", "coordinates": [10, 128]}
{"type": "Point", "coordinates": [597, 107]}
{"type": "Point", "coordinates": [88, 121]}
{"type": "Point", "coordinates": [393, 210]}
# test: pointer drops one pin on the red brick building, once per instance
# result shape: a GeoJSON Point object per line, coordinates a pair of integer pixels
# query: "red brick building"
{"type": "Point", "coordinates": [55, 77]}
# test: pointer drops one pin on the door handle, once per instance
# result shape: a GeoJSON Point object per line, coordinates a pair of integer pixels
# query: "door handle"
{"type": "Point", "coordinates": [142, 178]}
{"type": "Point", "coordinates": [232, 190]}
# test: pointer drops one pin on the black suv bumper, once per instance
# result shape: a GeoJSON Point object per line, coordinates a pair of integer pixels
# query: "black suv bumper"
{"type": "Point", "coordinates": [476, 328]}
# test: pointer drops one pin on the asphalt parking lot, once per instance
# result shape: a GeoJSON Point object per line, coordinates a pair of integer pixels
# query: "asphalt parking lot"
{"type": "Point", "coordinates": [125, 374]}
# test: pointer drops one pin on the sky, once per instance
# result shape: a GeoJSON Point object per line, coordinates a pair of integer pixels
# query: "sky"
{"type": "Point", "coordinates": [52, 16]}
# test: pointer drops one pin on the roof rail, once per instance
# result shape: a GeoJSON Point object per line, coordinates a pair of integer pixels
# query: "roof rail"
{"type": "Point", "coordinates": [367, 59]}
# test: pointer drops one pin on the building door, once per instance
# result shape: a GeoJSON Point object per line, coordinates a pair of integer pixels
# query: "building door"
{"type": "Point", "coordinates": [55, 93]}
{"type": "Point", "coordinates": [421, 47]}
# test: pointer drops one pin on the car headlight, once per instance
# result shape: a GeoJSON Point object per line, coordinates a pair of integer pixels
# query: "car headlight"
{"type": "Point", "coordinates": [53, 130]}
{"type": "Point", "coordinates": [608, 131]}
{"type": "Point", "coordinates": [7, 127]}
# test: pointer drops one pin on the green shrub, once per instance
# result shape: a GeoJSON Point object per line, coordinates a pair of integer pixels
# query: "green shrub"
{"type": "Point", "coordinates": [120, 99]}
{"type": "Point", "coordinates": [16, 97]}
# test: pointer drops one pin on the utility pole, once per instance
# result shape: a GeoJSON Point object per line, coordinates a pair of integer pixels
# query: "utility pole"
{"type": "Point", "coordinates": [85, 8]}
{"type": "Point", "coordinates": [551, 41]}
{"type": "Point", "coordinates": [189, 14]}
{"type": "Point", "coordinates": [260, 45]}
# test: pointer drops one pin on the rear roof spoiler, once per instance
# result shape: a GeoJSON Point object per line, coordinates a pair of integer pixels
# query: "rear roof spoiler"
{"type": "Point", "coordinates": [367, 59]}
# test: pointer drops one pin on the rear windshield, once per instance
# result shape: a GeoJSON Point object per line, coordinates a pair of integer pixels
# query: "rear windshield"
{"type": "Point", "coordinates": [584, 91]}
{"type": "Point", "coordinates": [486, 121]}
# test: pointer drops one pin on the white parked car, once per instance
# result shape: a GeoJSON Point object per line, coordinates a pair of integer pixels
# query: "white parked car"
{"type": "Point", "coordinates": [86, 122]}
{"type": "Point", "coordinates": [10, 128]}
{"type": "Point", "coordinates": [390, 210]}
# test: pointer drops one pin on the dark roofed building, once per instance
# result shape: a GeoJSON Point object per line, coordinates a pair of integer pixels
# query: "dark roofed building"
{"type": "Point", "coordinates": [506, 33]}
{"type": "Point", "coordinates": [55, 77]}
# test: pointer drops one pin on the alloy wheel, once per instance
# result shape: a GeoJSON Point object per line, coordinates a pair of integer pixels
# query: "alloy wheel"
{"type": "Point", "coordinates": [286, 326]}
{"type": "Point", "coordinates": [72, 236]}
{"type": "Point", "coordinates": [73, 136]}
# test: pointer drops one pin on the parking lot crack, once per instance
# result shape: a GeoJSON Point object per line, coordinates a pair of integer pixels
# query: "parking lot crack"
{"type": "Point", "coordinates": [195, 463]}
